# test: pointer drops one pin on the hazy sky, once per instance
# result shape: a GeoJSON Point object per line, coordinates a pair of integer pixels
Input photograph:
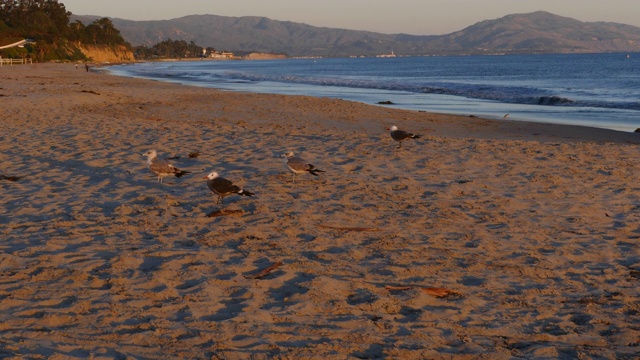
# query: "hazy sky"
{"type": "Point", "coordinates": [419, 17]}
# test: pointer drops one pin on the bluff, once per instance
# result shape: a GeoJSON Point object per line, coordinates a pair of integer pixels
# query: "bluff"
{"type": "Point", "coordinates": [107, 53]}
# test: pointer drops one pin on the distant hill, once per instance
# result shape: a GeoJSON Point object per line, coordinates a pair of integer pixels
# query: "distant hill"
{"type": "Point", "coordinates": [540, 32]}
{"type": "Point", "coordinates": [537, 32]}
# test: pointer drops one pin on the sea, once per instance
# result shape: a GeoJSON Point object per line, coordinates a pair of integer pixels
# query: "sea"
{"type": "Point", "coordinates": [595, 90]}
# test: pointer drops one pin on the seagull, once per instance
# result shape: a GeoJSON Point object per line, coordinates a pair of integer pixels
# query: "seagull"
{"type": "Point", "coordinates": [399, 135]}
{"type": "Point", "coordinates": [298, 166]}
{"type": "Point", "coordinates": [224, 187]}
{"type": "Point", "coordinates": [162, 167]}
{"type": "Point", "coordinates": [506, 116]}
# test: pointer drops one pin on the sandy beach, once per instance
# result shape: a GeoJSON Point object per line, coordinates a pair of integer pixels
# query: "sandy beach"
{"type": "Point", "coordinates": [483, 239]}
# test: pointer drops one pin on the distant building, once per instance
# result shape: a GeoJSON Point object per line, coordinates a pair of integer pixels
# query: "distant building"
{"type": "Point", "coordinates": [221, 55]}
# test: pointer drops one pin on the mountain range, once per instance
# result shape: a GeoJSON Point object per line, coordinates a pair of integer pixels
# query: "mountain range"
{"type": "Point", "coordinates": [537, 32]}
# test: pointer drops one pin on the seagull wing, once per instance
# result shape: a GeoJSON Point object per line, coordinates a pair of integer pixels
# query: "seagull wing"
{"type": "Point", "coordinates": [222, 186]}
{"type": "Point", "coordinates": [160, 166]}
{"type": "Point", "coordinates": [298, 165]}
{"type": "Point", "coordinates": [400, 135]}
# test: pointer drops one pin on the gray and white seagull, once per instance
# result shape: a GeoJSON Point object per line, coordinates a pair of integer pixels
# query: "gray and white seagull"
{"type": "Point", "coordinates": [400, 135]}
{"type": "Point", "coordinates": [223, 187]}
{"type": "Point", "coordinates": [162, 167]}
{"type": "Point", "coordinates": [298, 166]}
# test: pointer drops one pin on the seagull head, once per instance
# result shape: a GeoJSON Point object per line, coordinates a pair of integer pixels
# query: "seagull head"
{"type": "Point", "coordinates": [151, 154]}
{"type": "Point", "coordinates": [393, 128]}
{"type": "Point", "coordinates": [212, 175]}
{"type": "Point", "coordinates": [288, 154]}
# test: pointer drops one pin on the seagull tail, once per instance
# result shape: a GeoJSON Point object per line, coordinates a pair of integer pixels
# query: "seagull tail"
{"type": "Point", "coordinates": [314, 171]}
{"type": "Point", "coordinates": [416, 136]}
{"type": "Point", "coordinates": [246, 193]}
{"type": "Point", "coordinates": [180, 173]}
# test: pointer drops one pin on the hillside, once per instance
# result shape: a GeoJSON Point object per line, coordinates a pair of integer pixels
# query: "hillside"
{"type": "Point", "coordinates": [538, 32]}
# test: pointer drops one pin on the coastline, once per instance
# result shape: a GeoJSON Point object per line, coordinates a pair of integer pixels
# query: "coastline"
{"type": "Point", "coordinates": [553, 103]}
{"type": "Point", "coordinates": [533, 226]}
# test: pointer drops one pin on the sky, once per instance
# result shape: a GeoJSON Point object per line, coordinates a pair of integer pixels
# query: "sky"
{"type": "Point", "coordinates": [417, 17]}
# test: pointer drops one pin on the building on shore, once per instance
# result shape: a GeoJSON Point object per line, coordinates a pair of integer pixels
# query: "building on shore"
{"type": "Point", "coordinates": [221, 55]}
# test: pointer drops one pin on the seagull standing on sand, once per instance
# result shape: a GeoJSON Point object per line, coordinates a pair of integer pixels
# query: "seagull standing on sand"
{"type": "Point", "coordinates": [298, 166]}
{"type": "Point", "coordinates": [162, 167]}
{"type": "Point", "coordinates": [223, 187]}
{"type": "Point", "coordinates": [399, 135]}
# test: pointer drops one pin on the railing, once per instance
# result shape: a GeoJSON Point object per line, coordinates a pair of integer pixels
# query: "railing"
{"type": "Point", "coordinates": [15, 61]}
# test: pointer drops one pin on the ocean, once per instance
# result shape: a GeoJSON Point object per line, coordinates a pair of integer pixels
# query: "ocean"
{"type": "Point", "coordinates": [597, 90]}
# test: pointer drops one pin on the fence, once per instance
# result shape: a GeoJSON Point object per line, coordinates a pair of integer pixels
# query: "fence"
{"type": "Point", "coordinates": [14, 61]}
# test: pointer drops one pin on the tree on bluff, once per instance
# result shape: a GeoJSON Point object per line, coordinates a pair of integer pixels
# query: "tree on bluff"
{"type": "Point", "coordinates": [102, 32]}
{"type": "Point", "coordinates": [169, 49]}
{"type": "Point", "coordinates": [42, 19]}
{"type": "Point", "coordinates": [47, 22]}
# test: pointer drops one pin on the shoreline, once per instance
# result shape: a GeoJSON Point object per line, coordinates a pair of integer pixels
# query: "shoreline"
{"type": "Point", "coordinates": [615, 118]}
{"type": "Point", "coordinates": [513, 127]}
{"type": "Point", "coordinates": [533, 228]}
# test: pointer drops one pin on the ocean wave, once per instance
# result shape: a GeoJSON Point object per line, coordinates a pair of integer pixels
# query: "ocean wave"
{"type": "Point", "coordinates": [506, 94]}
{"type": "Point", "coordinates": [484, 91]}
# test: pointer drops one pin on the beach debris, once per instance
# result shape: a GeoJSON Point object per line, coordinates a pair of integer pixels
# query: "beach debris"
{"type": "Point", "coordinates": [298, 166]}
{"type": "Point", "coordinates": [194, 154]}
{"type": "Point", "coordinates": [387, 102]}
{"type": "Point", "coordinates": [400, 135]}
{"type": "Point", "coordinates": [398, 288]}
{"type": "Point", "coordinates": [438, 292]}
{"type": "Point", "coordinates": [224, 212]}
{"type": "Point", "coordinates": [264, 272]}
{"type": "Point", "coordinates": [223, 187]}
{"type": "Point", "coordinates": [162, 167]}
{"type": "Point", "coordinates": [637, 130]}
{"type": "Point", "coordinates": [90, 92]}
{"type": "Point", "coordinates": [348, 228]}
{"type": "Point", "coordinates": [10, 178]}
{"type": "Point", "coordinates": [433, 291]}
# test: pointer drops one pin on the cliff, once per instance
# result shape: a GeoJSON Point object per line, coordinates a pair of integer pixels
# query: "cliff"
{"type": "Point", "coordinates": [104, 53]}
{"type": "Point", "coordinates": [264, 56]}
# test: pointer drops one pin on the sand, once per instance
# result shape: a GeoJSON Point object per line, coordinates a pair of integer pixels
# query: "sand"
{"type": "Point", "coordinates": [532, 230]}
